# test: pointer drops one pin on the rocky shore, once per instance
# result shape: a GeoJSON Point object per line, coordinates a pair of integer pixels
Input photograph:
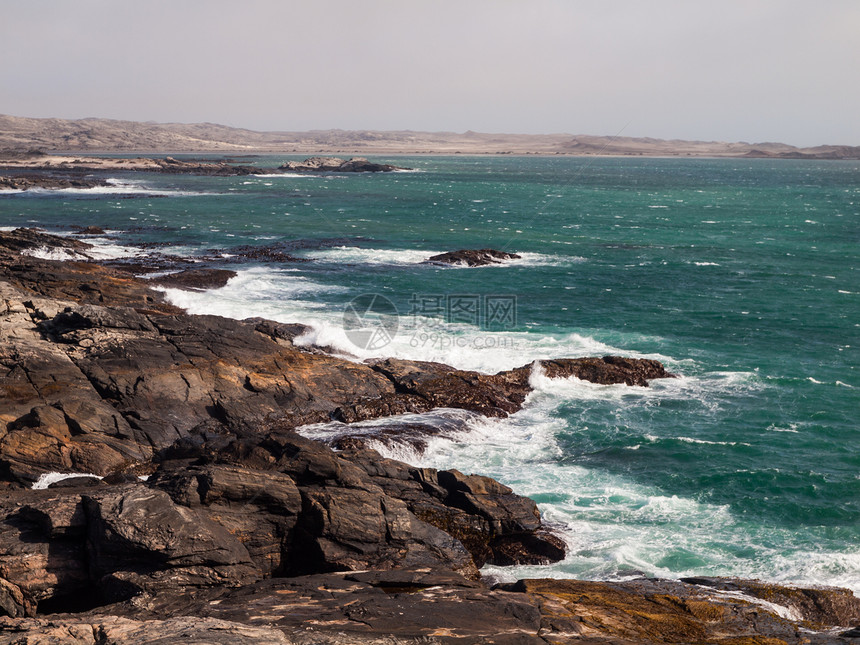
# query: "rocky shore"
{"type": "Point", "coordinates": [155, 490]}
{"type": "Point", "coordinates": [26, 170]}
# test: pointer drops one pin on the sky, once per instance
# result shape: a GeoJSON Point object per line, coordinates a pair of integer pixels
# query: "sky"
{"type": "Point", "coordinates": [728, 70]}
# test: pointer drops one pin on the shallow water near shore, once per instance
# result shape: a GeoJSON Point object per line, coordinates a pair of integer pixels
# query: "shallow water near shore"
{"type": "Point", "coordinates": [743, 276]}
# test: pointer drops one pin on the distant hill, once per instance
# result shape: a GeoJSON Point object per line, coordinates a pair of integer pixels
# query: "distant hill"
{"type": "Point", "coordinates": [108, 135]}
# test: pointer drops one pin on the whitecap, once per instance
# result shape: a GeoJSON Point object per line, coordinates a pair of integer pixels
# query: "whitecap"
{"type": "Point", "coordinates": [358, 255]}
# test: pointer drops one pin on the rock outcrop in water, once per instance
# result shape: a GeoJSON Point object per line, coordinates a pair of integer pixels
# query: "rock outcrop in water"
{"type": "Point", "coordinates": [336, 164]}
{"type": "Point", "coordinates": [472, 257]}
{"type": "Point", "coordinates": [245, 531]}
{"type": "Point", "coordinates": [29, 181]}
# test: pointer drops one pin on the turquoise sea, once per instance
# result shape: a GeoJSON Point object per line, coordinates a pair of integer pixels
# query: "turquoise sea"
{"type": "Point", "coordinates": [743, 276]}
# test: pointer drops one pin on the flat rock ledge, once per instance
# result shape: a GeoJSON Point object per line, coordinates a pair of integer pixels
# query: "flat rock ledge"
{"type": "Point", "coordinates": [19, 182]}
{"type": "Point", "coordinates": [421, 606]}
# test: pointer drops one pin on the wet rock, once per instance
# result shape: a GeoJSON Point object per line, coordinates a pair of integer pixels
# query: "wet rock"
{"type": "Point", "coordinates": [196, 279]}
{"type": "Point", "coordinates": [89, 230]}
{"type": "Point", "coordinates": [283, 332]}
{"type": "Point", "coordinates": [278, 252]}
{"type": "Point", "coordinates": [472, 257]}
{"type": "Point", "coordinates": [49, 182]}
{"type": "Point", "coordinates": [421, 386]}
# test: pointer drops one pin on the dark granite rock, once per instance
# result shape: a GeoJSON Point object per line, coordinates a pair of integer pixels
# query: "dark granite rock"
{"type": "Point", "coordinates": [472, 257]}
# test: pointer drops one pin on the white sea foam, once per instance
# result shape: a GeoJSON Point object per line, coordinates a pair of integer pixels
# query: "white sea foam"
{"type": "Point", "coordinates": [115, 186]}
{"type": "Point", "coordinates": [46, 479]}
{"type": "Point", "coordinates": [613, 526]}
{"type": "Point", "coordinates": [54, 253]}
{"type": "Point", "coordinates": [792, 428]}
{"type": "Point", "coordinates": [285, 175]}
{"type": "Point", "coordinates": [789, 613]}
{"type": "Point", "coordinates": [358, 255]}
{"type": "Point", "coordinates": [285, 296]}
{"type": "Point", "coordinates": [704, 442]}
{"type": "Point", "coordinates": [271, 293]}
{"type": "Point", "coordinates": [617, 528]}
{"type": "Point", "coordinates": [107, 249]}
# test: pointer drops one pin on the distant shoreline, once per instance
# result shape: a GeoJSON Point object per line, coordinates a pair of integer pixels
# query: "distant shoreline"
{"type": "Point", "coordinates": [106, 136]}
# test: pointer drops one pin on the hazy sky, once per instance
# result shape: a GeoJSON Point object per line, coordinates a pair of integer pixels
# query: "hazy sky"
{"type": "Point", "coordinates": [751, 70]}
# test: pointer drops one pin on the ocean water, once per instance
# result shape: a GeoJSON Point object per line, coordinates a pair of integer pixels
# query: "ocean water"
{"type": "Point", "coordinates": [743, 276]}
